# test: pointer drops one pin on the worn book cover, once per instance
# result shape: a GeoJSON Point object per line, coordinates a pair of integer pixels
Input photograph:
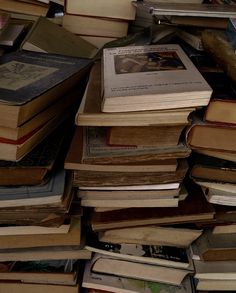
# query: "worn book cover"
{"type": "Point", "coordinates": [154, 77]}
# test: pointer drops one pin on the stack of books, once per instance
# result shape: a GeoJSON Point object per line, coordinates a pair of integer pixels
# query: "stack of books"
{"type": "Point", "coordinates": [129, 162]}
{"type": "Point", "coordinates": [98, 22]}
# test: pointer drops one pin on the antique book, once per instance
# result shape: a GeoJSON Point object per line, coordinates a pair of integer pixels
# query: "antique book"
{"type": "Point", "coordinates": [151, 235]}
{"type": "Point", "coordinates": [90, 114]}
{"type": "Point", "coordinates": [130, 74]}
{"type": "Point", "coordinates": [11, 34]}
{"type": "Point", "coordinates": [159, 136]}
{"type": "Point", "coordinates": [121, 10]}
{"type": "Point", "coordinates": [213, 169]}
{"type": "Point", "coordinates": [229, 156]}
{"type": "Point", "coordinates": [4, 20]}
{"type": "Point", "coordinates": [24, 7]}
{"type": "Point", "coordinates": [101, 178]}
{"type": "Point", "coordinates": [214, 247]}
{"type": "Point", "coordinates": [211, 136]}
{"type": "Point", "coordinates": [218, 196]}
{"type": "Point", "coordinates": [127, 285]}
{"type": "Point", "coordinates": [187, 9]}
{"type": "Point", "coordinates": [162, 255]}
{"type": "Point", "coordinates": [94, 26]}
{"type": "Point", "coordinates": [64, 272]}
{"type": "Point", "coordinates": [193, 209]}
{"type": "Point", "coordinates": [139, 271]}
{"type": "Point", "coordinates": [81, 142]}
{"type": "Point", "coordinates": [40, 80]}
{"type": "Point", "coordinates": [47, 37]}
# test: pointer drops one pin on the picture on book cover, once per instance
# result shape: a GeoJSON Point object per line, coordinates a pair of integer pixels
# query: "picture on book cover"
{"type": "Point", "coordinates": [147, 61]}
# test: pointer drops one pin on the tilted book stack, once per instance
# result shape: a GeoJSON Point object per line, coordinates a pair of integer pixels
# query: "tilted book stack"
{"type": "Point", "coordinates": [129, 162]}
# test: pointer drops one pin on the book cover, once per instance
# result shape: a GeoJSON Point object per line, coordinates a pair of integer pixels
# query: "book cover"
{"type": "Point", "coordinates": [154, 77]}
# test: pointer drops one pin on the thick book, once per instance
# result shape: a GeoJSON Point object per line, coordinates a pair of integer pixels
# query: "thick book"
{"type": "Point", "coordinates": [122, 9]}
{"type": "Point", "coordinates": [128, 285]}
{"type": "Point", "coordinates": [139, 271]}
{"type": "Point", "coordinates": [90, 114]}
{"type": "Point", "coordinates": [194, 208]}
{"type": "Point", "coordinates": [40, 80]}
{"type": "Point", "coordinates": [48, 37]}
{"type": "Point", "coordinates": [76, 156]}
{"type": "Point", "coordinates": [64, 272]}
{"type": "Point", "coordinates": [130, 77]}
{"type": "Point", "coordinates": [211, 136]}
{"type": "Point", "coordinates": [213, 169]}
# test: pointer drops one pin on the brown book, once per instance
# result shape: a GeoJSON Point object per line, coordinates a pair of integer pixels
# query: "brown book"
{"type": "Point", "coordinates": [159, 136]}
{"type": "Point", "coordinates": [90, 114]}
{"type": "Point", "coordinates": [193, 209]}
{"type": "Point", "coordinates": [95, 178]}
{"type": "Point", "coordinates": [218, 154]}
{"type": "Point", "coordinates": [210, 136]}
{"type": "Point", "coordinates": [82, 144]}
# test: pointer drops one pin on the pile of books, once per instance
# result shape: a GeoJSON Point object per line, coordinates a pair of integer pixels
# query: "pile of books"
{"type": "Point", "coordinates": [129, 162]}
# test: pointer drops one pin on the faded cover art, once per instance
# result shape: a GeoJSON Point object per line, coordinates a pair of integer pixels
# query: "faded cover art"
{"type": "Point", "coordinates": [15, 75]}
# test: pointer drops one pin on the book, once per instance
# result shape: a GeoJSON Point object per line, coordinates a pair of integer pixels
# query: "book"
{"type": "Point", "coordinates": [214, 247]}
{"type": "Point", "coordinates": [212, 169]}
{"type": "Point", "coordinates": [229, 156]}
{"type": "Point", "coordinates": [4, 20]}
{"type": "Point", "coordinates": [47, 37]}
{"type": "Point", "coordinates": [216, 285]}
{"type": "Point", "coordinates": [218, 196]}
{"type": "Point", "coordinates": [78, 149]}
{"type": "Point", "coordinates": [192, 37]}
{"type": "Point", "coordinates": [151, 235]}
{"type": "Point", "coordinates": [159, 136]}
{"type": "Point", "coordinates": [188, 9]}
{"type": "Point", "coordinates": [179, 82]}
{"type": "Point", "coordinates": [64, 272]}
{"type": "Point", "coordinates": [127, 285]}
{"type": "Point", "coordinates": [40, 80]}
{"type": "Point", "coordinates": [24, 7]}
{"type": "Point", "coordinates": [35, 166]}
{"type": "Point", "coordinates": [101, 178]}
{"type": "Point", "coordinates": [138, 271]}
{"type": "Point", "coordinates": [121, 10]}
{"type": "Point", "coordinates": [211, 136]}
{"type": "Point", "coordinates": [194, 208]}
{"type": "Point", "coordinates": [90, 114]}
{"type": "Point", "coordinates": [162, 255]}
{"type": "Point", "coordinates": [93, 26]}
{"type": "Point", "coordinates": [11, 34]}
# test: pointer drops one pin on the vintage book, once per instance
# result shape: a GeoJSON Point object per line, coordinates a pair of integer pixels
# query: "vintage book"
{"type": "Point", "coordinates": [64, 272]}
{"type": "Point", "coordinates": [218, 154]}
{"type": "Point", "coordinates": [11, 34]}
{"type": "Point", "coordinates": [93, 149]}
{"type": "Point", "coordinates": [121, 10]}
{"type": "Point", "coordinates": [150, 254]}
{"type": "Point", "coordinates": [90, 114]}
{"type": "Point", "coordinates": [222, 110]}
{"type": "Point", "coordinates": [93, 26]}
{"type": "Point", "coordinates": [40, 80]}
{"type": "Point", "coordinates": [216, 45]}
{"type": "Point", "coordinates": [214, 247]}
{"type": "Point", "coordinates": [24, 7]}
{"type": "Point", "coordinates": [35, 166]}
{"type": "Point", "coordinates": [101, 178]}
{"type": "Point", "coordinates": [224, 229]}
{"type": "Point", "coordinates": [18, 287]}
{"type": "Point", "coordinates": [4, 20]}
{"type": "Point", "coordinates": [127, 285]}
{"type": "Point", "coordinates": [139, 271]}
{"type": "Point", "coordinates": [47, 37]}
{"type": "Point", "coordinates": [191, 36]}
{"type": "Point", "coordinates": [215, 286]}
{"type": "Point", "coordinates": [218, 196]}
{"type": "Point", "coordinates": [159, 136]}
{"type": "Point", "coordinates": [194, 208]}
{"type": "Point", "coordinates": [179, 82]}
{"type": "Point", "coordinates": [81, 142]}
{"type": "Point", "coordinates": [213, 169]}
{"type": "Point", "coordinates": [211, 136]}
{"type": "Point", "coordinates": [151, 235]}
{"type": "Point", "coordinates": [188, 9]}
{"type": "Point", "coordinates": [73, 237]}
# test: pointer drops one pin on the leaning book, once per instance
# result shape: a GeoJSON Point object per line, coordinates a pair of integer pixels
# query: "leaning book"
{"type": "Point", "coordinates": [155, 77]}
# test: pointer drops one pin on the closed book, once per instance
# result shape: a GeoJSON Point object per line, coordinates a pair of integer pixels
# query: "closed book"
{"type": "Point", "coordinates": [41, 79]}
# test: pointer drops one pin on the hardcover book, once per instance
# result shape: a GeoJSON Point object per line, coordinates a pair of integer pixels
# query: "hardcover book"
{"type": "Point", "coordinates": [155, 77]}
{"type": "Point", "coordinates": [31, 81]}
